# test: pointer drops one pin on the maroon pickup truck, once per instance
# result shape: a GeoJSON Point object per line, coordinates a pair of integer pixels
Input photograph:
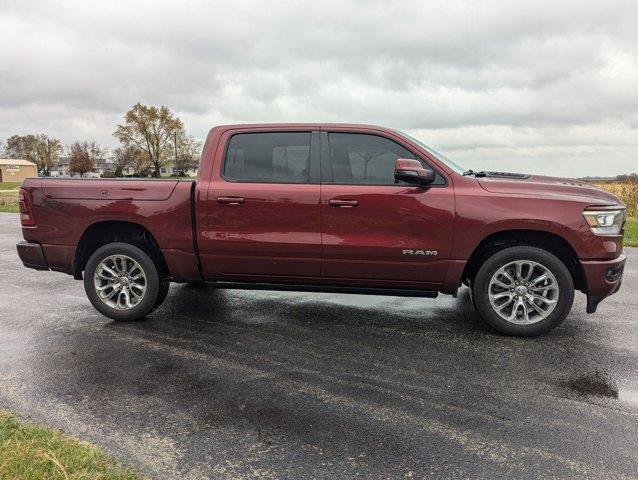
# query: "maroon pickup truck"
{"type": "Point", "coordinates": [331, 208]}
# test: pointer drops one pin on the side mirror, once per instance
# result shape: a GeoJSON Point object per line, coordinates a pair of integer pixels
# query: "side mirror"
{"type": "Point", "coordinates": [412, 171]}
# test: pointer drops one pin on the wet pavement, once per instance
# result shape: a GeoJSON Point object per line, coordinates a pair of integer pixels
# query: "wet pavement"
{"type": "Point", "coordinates": [237, 384]}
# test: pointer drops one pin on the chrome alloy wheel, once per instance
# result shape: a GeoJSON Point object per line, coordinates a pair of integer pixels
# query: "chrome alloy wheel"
{"type": "Point", "coordinates": [120, 282]}
{"type": "Point", "coordinates": [523, 292]}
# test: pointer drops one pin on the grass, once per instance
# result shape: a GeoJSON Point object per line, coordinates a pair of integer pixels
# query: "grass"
{"type": "Point", "coordinates": [8, 203]}
{"type": "Point", "coordinates": [9, 208]}
{"type": "Point", "coordinates": [631, 232]}
{"type": "Point", "coordinates": [28, 451]}
{"type": "Point", "coordinates": [10, 185]}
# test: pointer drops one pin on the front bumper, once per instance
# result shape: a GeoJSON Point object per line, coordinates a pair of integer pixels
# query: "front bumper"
{"type": "Point", "coordinates": [603, 278]}
{"type": "Point", "coordinates": [32, 255]}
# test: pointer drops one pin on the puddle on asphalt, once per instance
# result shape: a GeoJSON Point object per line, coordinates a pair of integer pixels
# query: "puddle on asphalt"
{"type": "Point", "coordinates": [598, 385]}
{"type": "Point", "coordinates": [629, 396]}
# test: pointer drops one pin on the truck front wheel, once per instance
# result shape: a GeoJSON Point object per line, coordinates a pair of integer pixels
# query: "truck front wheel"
{"type": "Point", "coordinates": [122, 282]}
{"type": "Point", "coordinates": [524, 291]}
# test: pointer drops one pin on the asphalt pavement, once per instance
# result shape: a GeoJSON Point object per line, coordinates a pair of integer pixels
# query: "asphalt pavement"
{"type": "Point", "coordinates": [238, 384]}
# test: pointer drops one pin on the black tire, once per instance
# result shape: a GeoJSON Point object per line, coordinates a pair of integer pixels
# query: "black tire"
{"type": "Point", "coordinates": [472, 297]}
{"type": "Point", "coordinates": [481, 285]}
{"type": "Point", "coordinates": [162, 293]}
{"type": "Point", "coordinates": [153, 283]}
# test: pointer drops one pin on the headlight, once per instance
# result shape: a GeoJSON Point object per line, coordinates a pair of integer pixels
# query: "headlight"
{"type": "Point", "coordinates": [605, 222]}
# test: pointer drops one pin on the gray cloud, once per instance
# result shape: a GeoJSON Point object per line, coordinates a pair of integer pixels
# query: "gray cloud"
{"type": "Point", "coordinates": [546, 87]}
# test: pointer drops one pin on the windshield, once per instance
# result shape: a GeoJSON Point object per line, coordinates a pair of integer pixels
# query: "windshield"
{"type": "Point", "coordinates": [454, 166]}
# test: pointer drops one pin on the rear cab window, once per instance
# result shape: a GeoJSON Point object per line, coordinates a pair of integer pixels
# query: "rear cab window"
{"type": "Point", "coordinates": [268, 157]}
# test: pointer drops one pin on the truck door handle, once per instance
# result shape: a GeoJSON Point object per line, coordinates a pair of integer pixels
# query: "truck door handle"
{"type": "Point", "coordinates": [343, 203]}
{"type": "Point", "coordinates": [230, 200]}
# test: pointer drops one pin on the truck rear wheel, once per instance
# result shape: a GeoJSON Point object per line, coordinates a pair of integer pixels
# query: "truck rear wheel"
{"type": "Point", "coordinates": [162, 293]}
{"type": "Point", "coordinates": [523, 291]}
{"type": "Point", "coordinates": [122, 282]}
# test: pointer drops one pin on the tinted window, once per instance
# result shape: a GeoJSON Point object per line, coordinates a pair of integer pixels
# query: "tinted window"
{"type": "Point", "coordinates": [364, 159]}
{"type": "Point", "coordinates": [268, 157]}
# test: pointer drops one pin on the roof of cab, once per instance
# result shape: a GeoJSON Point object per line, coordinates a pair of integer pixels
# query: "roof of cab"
{"type": "Point", "coordinates": [317, 126]}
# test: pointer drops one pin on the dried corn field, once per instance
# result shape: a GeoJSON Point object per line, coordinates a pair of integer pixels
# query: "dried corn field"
{"type": "Point", "coordinates": [626, 190]}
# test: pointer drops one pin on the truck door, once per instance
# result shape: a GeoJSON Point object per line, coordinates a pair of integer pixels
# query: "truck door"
{"type": "Point", "coordinates": [375, 230]}
{"type": "Point", "coordinates": [263, 207]}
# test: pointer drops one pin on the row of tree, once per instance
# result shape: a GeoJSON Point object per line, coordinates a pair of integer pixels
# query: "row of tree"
{"type": "Point", "coordinates": [150, 138]}
{"type": "Point", "coordinates": [628, 177]}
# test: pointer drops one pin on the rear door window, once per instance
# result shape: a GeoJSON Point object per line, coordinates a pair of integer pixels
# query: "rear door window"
{"type": "Point", "coordinates": [269, 157]}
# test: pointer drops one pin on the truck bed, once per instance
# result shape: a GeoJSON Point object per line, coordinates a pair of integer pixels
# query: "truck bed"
{"type": "Point", "coordinates": [66, 210]}
{"type": "Point", "coordinates": [109, 189]}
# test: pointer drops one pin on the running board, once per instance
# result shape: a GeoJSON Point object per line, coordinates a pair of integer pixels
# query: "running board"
{"type": "Point", "coordinates": [287, 287]}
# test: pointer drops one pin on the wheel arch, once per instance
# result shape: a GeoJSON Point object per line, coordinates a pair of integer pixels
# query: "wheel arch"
{"type": "Point", "coordinates": [102, 233]}
{"type": "Point", "coordinates": [553, 243]}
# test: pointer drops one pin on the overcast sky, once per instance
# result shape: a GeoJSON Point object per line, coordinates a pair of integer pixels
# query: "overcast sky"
{"type": "Point", "coordinates": [530, 86]}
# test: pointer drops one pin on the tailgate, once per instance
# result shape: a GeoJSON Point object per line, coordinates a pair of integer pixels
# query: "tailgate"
{"type": "Point", "coordinates": [108, 189]}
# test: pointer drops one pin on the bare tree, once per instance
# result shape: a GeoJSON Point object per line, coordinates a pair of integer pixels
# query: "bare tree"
{"type": "Point", "coordinates": [97, 155]}
{"type": "Point", "coordinates": [151, 129]}
{"type": "Point", "coordinates": [79, 158]}
{"type": "Point", "coordinates": [125, 158]}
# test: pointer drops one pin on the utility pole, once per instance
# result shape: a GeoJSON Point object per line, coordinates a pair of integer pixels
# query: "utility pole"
{"type": "Point", "coordinates": [175, 144]}
{"type": "Point", "coordinates": [47, 167]}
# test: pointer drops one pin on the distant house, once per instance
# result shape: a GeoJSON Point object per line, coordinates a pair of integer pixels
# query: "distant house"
{"type": "Point", "coordinates": [170, 170]}
{"type": "Point", "coordinates": [16, 169]}
{"type": "Point", "coordinates": [62, 168]}
{"type": "Point", "coordinates": [166, 170]}
{"type": "Point", "coordinates": [101, 167]}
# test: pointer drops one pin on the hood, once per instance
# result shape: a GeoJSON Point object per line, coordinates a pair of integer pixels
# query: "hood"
{"type": "Point", "coordinates": [542, 186]}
